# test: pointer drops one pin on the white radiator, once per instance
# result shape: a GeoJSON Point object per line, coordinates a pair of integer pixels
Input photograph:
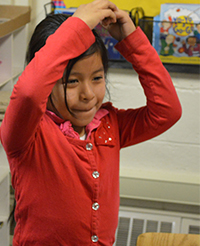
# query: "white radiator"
{"type": "Point", "coordinates": [133, 222]}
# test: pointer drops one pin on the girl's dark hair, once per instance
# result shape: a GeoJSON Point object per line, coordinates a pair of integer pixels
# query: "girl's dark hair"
{"type": "Point", "coordinates": [47, 27]}
{"type": "Point", "coordinates": [42, 31]}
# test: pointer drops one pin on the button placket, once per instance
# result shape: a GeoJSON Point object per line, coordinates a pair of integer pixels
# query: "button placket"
{"type": "Point", "coordinates": [95, 205]}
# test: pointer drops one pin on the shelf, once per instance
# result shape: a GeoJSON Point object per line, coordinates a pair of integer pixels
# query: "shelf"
{"type": "Point", "coordinates": [171, 63]}
{"type": "Point", "coordinates": [18, 16]}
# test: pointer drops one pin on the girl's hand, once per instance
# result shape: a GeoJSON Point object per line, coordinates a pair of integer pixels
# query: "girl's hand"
{"type": "Point", "coordinates": [97, 11]}
{"type": "Point", "coordinates": [122, 27]}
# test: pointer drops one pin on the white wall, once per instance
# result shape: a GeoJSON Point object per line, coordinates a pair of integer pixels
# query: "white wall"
{"type": "Point", "coordinates": [174, 155]}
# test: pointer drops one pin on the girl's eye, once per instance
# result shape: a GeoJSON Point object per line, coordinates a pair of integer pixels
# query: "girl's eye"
{"type": "Point", "coordinates": [98, 78]}
{"type": "Point", "coordinates": [72, 81]}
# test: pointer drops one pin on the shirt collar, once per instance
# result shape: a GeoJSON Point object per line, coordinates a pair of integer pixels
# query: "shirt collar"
{"type": "Point", "coordinates": [66, 126]}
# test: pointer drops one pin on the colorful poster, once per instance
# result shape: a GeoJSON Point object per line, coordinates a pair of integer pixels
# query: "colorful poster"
{"type": "Point", "coordinates": [179, 33]}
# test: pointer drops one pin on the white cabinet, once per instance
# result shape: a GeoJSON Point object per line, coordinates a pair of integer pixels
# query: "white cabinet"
{"type": "Point", "coordinates": [12, 58]}
{"type": "Point", "coordinates": [12, 43]}
{"type": "Point", "coordinates": [12, 55]}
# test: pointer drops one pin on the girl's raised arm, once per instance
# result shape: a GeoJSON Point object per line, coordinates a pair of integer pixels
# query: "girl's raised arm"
{"type": "Point", "coordinates": [30, 94]}
{"type": "Point", "coordinates": [29, 97]}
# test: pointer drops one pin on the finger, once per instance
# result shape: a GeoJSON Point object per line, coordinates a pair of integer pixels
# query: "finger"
{"type": "Point", "coordinates": [99, 9]}
{"type": "Point", "coordinates": [105, 23]}
{"type": "Point", "coordinates": [112, 6]}
{"type": "Point", "coordinates": [108, 16]}
{"type": "Point", "coordinates": [105, 4]}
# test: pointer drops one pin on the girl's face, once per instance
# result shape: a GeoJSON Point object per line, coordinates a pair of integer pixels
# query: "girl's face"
{"type": "Point", "coordinates": [85, 92]}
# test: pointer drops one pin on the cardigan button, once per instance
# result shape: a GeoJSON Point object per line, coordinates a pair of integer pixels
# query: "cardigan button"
{"type": "Point", "coordinates": [95, 174]}
{"type": "Point", "coordinates": [95, 206]}
{"type": "Point", "coordinates": [94, 239]}
{"type": "Point", "coordinates": [89, 146]}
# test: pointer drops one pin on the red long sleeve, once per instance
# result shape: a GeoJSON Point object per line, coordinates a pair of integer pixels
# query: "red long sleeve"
{"type": "Point", "coordinates": [163, 108]}
{"type": "Point", "coordinates": [30, 94]}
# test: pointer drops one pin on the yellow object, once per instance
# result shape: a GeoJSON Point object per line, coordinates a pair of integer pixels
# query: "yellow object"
{"type": "Point", "coordinates": [151, 8]}
{"type": "Point", "coordinates": [180, 60]}
{"type": "Point", "coordinates": [168, 239]}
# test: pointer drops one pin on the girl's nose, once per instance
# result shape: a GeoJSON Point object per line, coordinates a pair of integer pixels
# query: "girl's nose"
{"type": "Point", "coordinates": [86, 93]}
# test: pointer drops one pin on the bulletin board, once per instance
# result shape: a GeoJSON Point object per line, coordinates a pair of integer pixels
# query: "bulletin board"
{"type": "Point", "coordinates": [151, 8]}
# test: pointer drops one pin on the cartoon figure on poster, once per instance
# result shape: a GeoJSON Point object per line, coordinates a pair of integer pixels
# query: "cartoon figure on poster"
{"type": "Point", "coordinates": [180, 30]}
{"type": "Point", "coordinates": [165, 26]}
{"type": "Point", "coordinates": [191, 48]}
{"type": "Point", "coordinates": [167, 45]}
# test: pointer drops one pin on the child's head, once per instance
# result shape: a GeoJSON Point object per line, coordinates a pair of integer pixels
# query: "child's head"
{"type": "Point", "coordinates": [192, 40]}
{"type": "Point", "coordinates": [48, 26]}
{"type": "Point", "coordinates": [170, 39]}
{"type": "Point", "coordinates": [72, 99]}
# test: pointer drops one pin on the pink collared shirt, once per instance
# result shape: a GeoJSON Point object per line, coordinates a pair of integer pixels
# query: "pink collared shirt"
{"type": "Point", "coordinates": [66, 126]}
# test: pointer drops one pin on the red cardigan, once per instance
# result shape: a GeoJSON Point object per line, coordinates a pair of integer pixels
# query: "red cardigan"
{"type": "Point", "coordinates": [67, 190]}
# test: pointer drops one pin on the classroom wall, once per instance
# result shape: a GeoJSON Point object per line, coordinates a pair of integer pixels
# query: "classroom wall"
{"type": "Point", "coordinates": [175, 155]}
{"type": "Point", "coordinates": [151, 8]}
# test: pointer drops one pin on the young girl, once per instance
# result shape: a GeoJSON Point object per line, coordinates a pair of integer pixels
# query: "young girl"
{"type": "Point", "coordinates": [62, 143]}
